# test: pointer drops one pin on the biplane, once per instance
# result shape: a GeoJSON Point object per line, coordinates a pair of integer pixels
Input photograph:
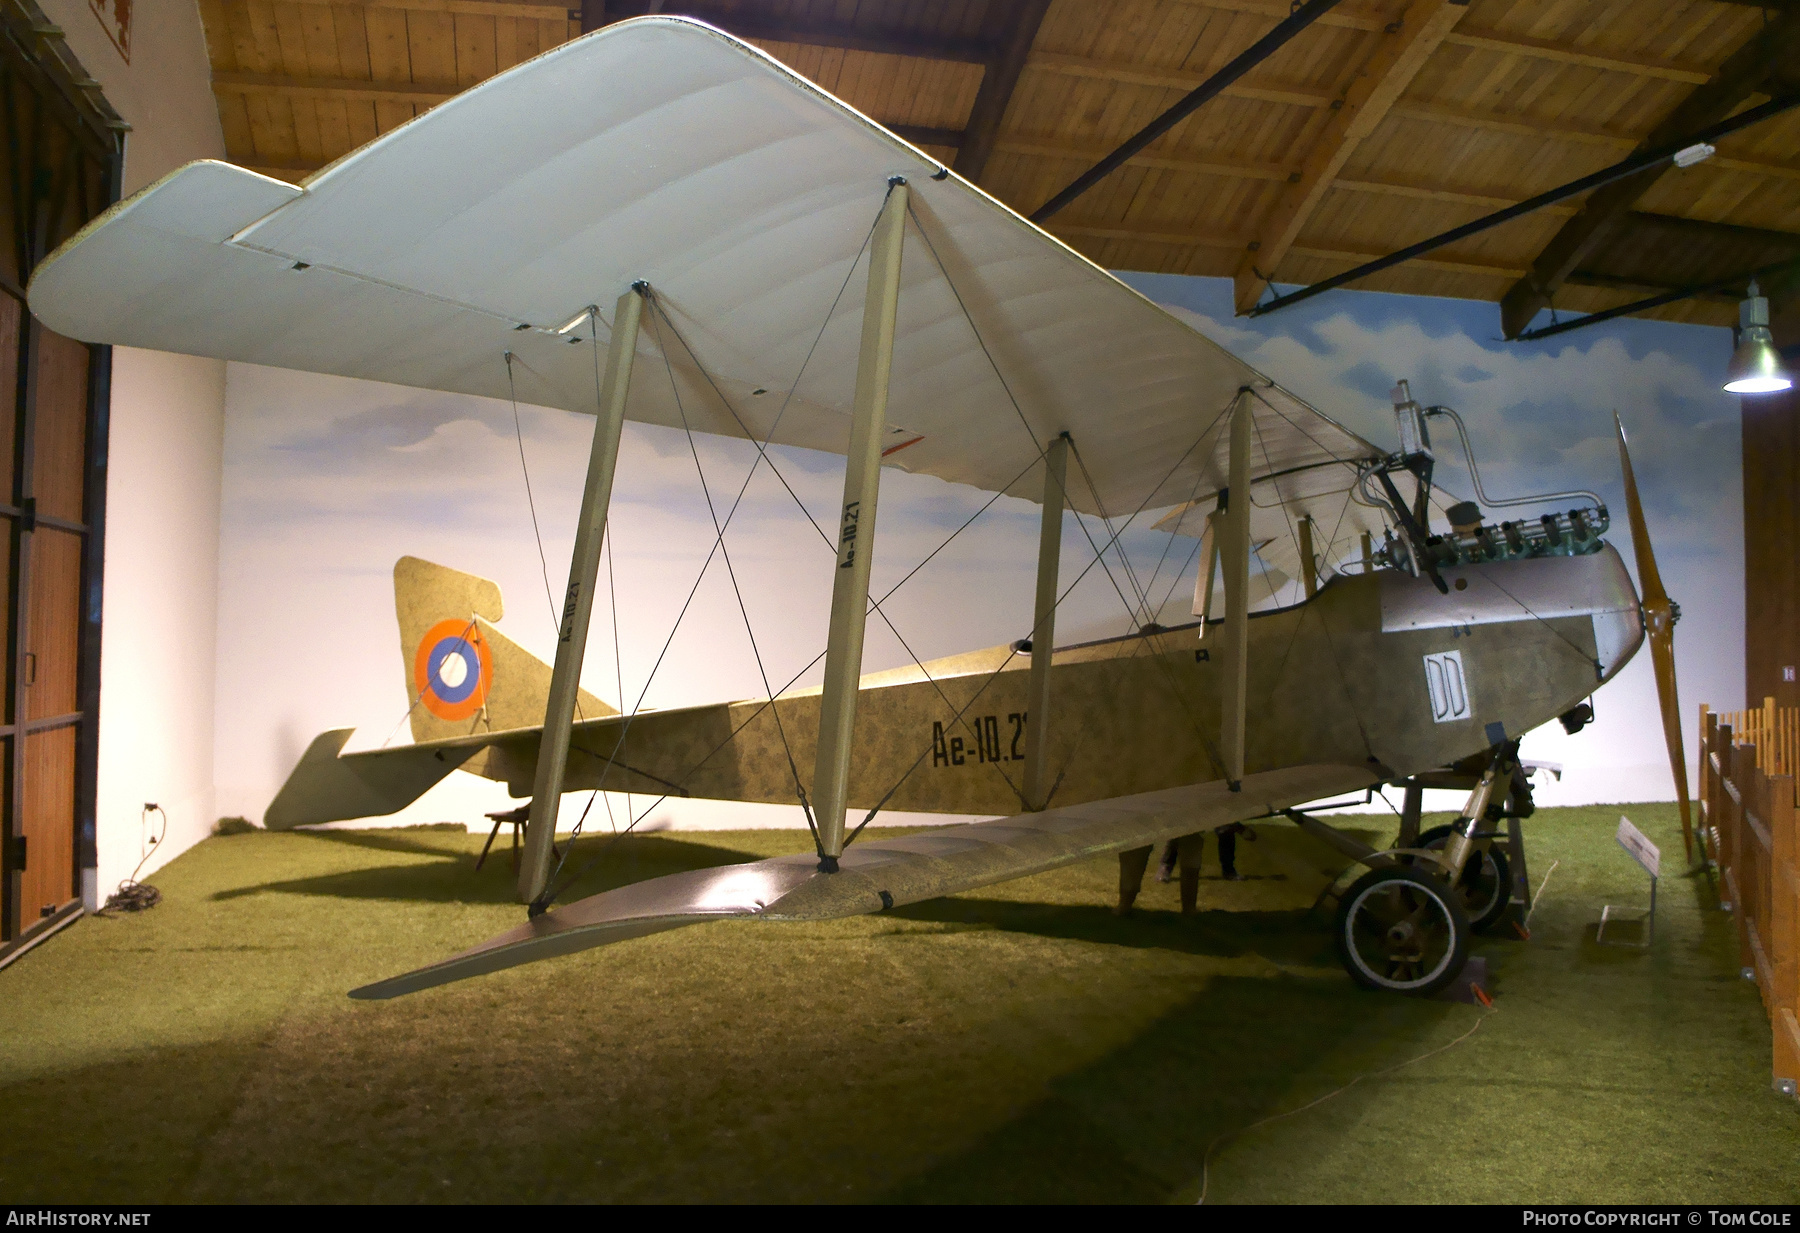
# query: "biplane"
{"type": "Point", "coordinates": [661, 223]}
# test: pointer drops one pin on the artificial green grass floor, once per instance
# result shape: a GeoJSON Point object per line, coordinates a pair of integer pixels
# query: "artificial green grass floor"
{"type": "Point", "coordinates": [1014, 1043]}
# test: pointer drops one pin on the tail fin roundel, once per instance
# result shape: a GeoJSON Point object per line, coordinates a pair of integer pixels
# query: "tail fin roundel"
{"type": "Point", "coordinates": [462, 675]}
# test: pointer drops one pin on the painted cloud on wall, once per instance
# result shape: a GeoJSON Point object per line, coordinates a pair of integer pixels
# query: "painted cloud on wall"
{"type": "Point", "coordinates": [329, 481]}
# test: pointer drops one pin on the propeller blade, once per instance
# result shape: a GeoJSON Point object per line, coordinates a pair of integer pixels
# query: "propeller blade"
{"type": "Point", "coordinates": [1659, 626]}
{"type": "Point", "coordinates": [1648, 577]}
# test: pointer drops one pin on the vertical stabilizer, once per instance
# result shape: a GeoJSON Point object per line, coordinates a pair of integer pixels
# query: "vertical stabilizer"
{"type": "Point", "coordinates": [462, 674]}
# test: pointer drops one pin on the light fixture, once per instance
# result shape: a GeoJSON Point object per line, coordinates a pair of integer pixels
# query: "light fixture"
{"type": "Point", "coordinates": [1755, 366]}
{"type": "Point", "coordinates": [1699, 152]}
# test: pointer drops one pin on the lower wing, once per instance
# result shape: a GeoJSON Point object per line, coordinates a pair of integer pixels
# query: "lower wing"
{"type": "Point", "coordinates": [884, 873]}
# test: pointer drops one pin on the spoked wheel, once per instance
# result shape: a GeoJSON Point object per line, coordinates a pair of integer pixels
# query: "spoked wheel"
{"type": "Point", "coordinates": [1486, 881]}
{"type": "Point", "coordinates": [1402, 931]}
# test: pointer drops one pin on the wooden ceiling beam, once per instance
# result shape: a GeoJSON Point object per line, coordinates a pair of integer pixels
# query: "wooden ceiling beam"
{"type": "Point", "coordinates": [1021, 21]}
{"type": "Point", "coordinates": [1294, 94]}
{"type": "Point", "coordinates": [1216, 83]}
{"type": "Point", "coordinates": [1115, 231]}
{"type": "Point", "coordinates": [1438, 192]}
{"type": "Point", "coordinates": [267, 85]}
{"type": "Point", "coordinates": [803, 31]}
{"type": "Point", "coordinates": [1344, 16]}
{"type": "Point", "coordinates": [1100, 230]}
{"type": "Point", "coordinates": [921, 135]}
{"type": "Point", "coordinates": [473, 8]}
{"type": "Point", "coordinates": [1562, 53]}
{"type": "Point", "coordinates": [1481, 40]}
{"type": "Point", "coordinates": [1090, 154]}
{"type": "Point", "coordinates": [1447, 263]}
{"type": "Point", "coordinates": [1561, 130]}
{"type": "Point", "coordinates": [1609, 282]}
{"type": "Point", "coordinates": [1771, 46]}
{"type": "Point", "coordinates": [1375, 88]}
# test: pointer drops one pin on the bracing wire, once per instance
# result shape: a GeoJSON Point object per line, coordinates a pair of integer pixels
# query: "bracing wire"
{"type": "Point", "coordinates": [968, 316]}
{"type": "Point", "coordinates": [1167, 674]}
{"type": "Point", "coordinates": [1206, 1157]}
{"type": "Point", "coordinates": [875, 605]}
{"type": "Point", "coordinates": [612, 591]}
{"type": "Point", "coordinates": [428, 688]}
{"type": "Point", "coordinates": [731, 572]}
{"type": "Point", "coordinates": [552, 890]}
{"type": "Point", "coordinates": [537, 535]}
{"type": "Point", "coordinates": [1174, 528]}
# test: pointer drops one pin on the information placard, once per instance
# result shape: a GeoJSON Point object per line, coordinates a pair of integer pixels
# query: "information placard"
{"type": "Point", "coordinates": [1638, 844]}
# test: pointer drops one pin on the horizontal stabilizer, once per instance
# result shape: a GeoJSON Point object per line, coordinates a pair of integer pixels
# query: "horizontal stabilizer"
{"type": "Point", "coordinates": [327, 787]}
{"type": "Point", "coordinates": [885, 873]}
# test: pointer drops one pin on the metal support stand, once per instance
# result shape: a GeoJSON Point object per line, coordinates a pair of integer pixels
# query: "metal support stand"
{"type": "Point", "coordinates": [578, 604]}
{"type": "Point", "coordinates": [1521, 879]}
{"type": "Point", "coordinates": [1235, 551]}
{"type": "Point", "coordinates": [1410, 808]}
{"type": "Point", "coordinates": [1649, 859]}
{"type": "Point", "coordinates": [1043, 629]}
{"type": "Point", "coordinates": [856, 536]}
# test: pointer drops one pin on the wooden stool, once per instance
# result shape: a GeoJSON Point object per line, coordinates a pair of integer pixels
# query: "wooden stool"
{"type": "Point", "coordinates": [518, 818]}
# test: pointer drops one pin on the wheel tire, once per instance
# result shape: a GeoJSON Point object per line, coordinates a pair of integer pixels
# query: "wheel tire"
{"type": "Point", "coordinates": [1486, 882]}
{"type": "Point", "coordinates": [1401, 931]}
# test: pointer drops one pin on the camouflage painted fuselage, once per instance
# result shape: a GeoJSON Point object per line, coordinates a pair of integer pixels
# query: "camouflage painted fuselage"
{"type": "Point", "coordinates": [1377, 670]}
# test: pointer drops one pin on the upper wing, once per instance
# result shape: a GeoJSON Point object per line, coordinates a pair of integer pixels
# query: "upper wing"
{"type": "Point", "coordinates": [665, 150]}
{"type": "Point", "coordinates": [885, 873]}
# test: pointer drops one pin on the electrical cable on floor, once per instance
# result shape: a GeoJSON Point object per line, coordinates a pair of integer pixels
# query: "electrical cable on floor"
{"type": "Point", "coordinates": [1539, 897]}
{"type": "Point", "coordinates": [132, 895]}
{"type": "Point", "coordinates": [1206, 1158]}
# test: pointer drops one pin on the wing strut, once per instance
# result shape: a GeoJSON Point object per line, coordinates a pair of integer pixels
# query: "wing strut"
{"type": "Point", "coordinates": [1209, 565]}
{"type": "Point", "coordinates": [578, 606]}
{"type": "Point", "coordinates": [1043, 629]}
{"type": "Point", "coordinates": [856, 529]}
{"type": "Point", "coordinates": [1236, 552]}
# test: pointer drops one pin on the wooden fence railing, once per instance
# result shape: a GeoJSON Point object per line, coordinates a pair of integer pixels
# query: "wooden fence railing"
{"type": "Point", "coordinates": [1775, 731]}
{"type": "Point", "coordinates": [1748, 824]}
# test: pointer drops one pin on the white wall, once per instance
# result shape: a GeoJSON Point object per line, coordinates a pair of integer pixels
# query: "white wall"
{"type": "Point", "coordinates": [162, 493]}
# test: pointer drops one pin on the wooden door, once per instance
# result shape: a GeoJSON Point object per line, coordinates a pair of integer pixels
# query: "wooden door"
{"type": "Point", "coordinates": [59, 167]}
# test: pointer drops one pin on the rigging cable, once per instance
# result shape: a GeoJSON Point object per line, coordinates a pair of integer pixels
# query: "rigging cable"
{"type": "Point", "coordinates": [731, 573]}
{"type": "Point", "coordinates": [551, 890]}
{"type": "Point", "coordinates": [874, 604]}
{"type": "Point", "coordinates": [1206, 1157]}
{"type": "Point", "coordinates": [537, 535]}
{"type": "Point", "coordinates": [1143, 639]}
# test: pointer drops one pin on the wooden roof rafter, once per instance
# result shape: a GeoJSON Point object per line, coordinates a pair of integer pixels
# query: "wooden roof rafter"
{"type": "Point", "coordinates": [1376, 87]}
{"type": "Point", "coordinates": [1773, 47]}
{"type": "Point", "coordinates": [1513, 88]}
{"type": "Point", "coordinates": [1018, 22]}
{"type": "Point", "coordinates": [843, 36]}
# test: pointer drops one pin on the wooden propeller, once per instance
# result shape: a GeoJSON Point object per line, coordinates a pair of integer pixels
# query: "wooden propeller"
{"type": "Point", "coordinates": [1659, 624]}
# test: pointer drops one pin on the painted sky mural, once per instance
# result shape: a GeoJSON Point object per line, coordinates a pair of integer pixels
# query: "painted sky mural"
{"type": "Point", "coordinates": [329, 481]}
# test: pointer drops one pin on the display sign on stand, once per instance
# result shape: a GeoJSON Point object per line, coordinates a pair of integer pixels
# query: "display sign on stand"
{"type": "Point", "coordinates": [1649, 858]}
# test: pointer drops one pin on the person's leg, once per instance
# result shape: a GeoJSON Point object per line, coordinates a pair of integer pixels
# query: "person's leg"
{"type": "Point", "coordinates": [1228, 853]}
{"type": "Point", "coordinates": [1132, 864]}
{"type": "Point", "coordinates": [1166, 867]}
{"type": "Point", "coordinates": [1191, 849]}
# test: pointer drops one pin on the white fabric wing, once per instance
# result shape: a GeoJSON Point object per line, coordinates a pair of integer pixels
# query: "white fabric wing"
{"type": "Point", "coordinates": [664, 150]}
